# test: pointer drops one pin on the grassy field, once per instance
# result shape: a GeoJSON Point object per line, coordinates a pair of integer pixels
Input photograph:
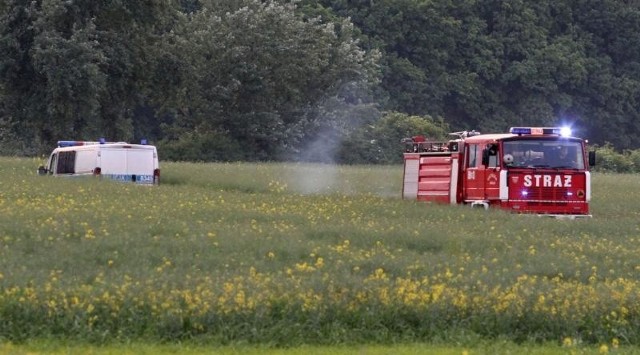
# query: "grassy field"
{"type": "Point", "coordinates": [290, 255]}
{"type": "Point", "coordinates": [491, 347]}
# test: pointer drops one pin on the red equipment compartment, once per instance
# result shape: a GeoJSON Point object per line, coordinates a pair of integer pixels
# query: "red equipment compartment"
{"type": "Point", "coordinates": [435, 178]}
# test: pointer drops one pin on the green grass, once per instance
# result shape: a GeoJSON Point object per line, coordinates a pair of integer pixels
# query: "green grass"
{"type": "Point", "coordinates": [289, 255]}
{"type": "Point", "coordinates": [495, 347]}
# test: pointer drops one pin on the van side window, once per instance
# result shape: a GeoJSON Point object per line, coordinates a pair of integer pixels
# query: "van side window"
{"type": "Point", "coordinates": [66, 162]}
{"type": "Point", "coordinates": [54, 163]}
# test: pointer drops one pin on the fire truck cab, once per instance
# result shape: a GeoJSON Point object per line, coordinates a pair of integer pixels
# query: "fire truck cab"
{"type": "Point", "coordinates": [535, 170]}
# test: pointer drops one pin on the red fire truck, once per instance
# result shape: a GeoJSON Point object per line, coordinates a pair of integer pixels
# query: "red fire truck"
{"type": "Point", "coordinates": [536, 170]}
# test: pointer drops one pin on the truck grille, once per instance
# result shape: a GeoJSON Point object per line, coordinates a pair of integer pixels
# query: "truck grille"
{"type": "Point", "coordinates": [548, 193]}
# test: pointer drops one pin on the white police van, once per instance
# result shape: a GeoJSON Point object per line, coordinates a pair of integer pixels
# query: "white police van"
{"type": "Point", "coordinates": [121, 161]}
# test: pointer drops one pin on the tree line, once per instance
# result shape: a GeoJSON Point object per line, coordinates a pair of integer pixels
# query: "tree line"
{"type": "Point", "coordinates": [314, 80]}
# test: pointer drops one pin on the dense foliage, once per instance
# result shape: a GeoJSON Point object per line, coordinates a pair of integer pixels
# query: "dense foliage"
{"type": "Point", "coordinates": [311, 79]}
{"type": "Point", "coordinates": [490, 64]}
{"type": "Point", "coordinates": [610, 160]}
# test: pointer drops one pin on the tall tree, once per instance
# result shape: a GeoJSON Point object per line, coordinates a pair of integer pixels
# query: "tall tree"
{"type": "Point", "coordinates": [68, 60]}
{"type": "Point", "coordinates": [255, 72]}
{"type": "Point", "coordinates": [76, 69]}
{"type": "Point", "coordinates": [21, 96]}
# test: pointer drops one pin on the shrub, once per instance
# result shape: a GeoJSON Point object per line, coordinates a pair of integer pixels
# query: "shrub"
{"type": "Point", "coordinates": [609, 160]}
{"type": "Point", "coordinates": [201, 147]}
{"type": "Point", "coordinates": [379, 143]}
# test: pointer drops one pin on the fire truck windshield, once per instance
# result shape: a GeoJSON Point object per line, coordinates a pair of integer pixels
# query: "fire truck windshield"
{"type": "Point", "coordinates": [539, 153]}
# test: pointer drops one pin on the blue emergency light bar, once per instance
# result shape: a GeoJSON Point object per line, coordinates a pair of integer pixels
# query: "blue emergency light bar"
{"type": "Point", "coordinates": [62, 144]}
{"type": "Point", "coordinates": [70, 143]}
{"type": "Point", "coordinates": [538, 131]}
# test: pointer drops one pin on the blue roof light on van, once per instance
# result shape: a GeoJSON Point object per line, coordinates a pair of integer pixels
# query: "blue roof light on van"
{"type": "Point", "coordinates": [62, 144]}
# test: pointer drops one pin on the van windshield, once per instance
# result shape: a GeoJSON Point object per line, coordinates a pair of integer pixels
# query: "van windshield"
{"type": "Point", "coordinates": [561, 153]}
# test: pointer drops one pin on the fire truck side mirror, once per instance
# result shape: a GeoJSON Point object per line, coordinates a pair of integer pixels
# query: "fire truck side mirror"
{"type": "Point", "coordinates": [592, 158]}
